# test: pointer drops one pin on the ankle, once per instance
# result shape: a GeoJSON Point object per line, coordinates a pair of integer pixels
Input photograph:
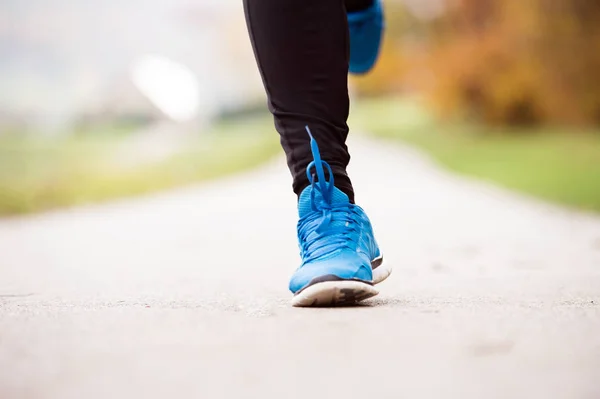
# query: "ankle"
{"type": "Point", "coordinates": [342, 182]}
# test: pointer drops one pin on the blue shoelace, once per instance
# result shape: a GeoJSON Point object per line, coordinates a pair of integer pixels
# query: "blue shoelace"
{"type": "Point", "coordinates": [316, 231]}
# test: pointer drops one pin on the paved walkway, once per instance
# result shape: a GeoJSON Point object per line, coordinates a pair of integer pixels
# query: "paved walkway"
{"type": "Point", "coordinates": [184, 295]}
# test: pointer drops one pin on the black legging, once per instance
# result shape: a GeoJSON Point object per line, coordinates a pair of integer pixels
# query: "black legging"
{"type": "Point", "coordinates": [301, 47]}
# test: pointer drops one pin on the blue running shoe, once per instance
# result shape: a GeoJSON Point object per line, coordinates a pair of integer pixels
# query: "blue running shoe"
{"type": "Point", "coordinates": [337, 245]}
{"type": "Point", "coordinates": [366, 31]}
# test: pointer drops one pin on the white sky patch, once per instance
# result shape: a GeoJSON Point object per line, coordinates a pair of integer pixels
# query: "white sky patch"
{"type": "Point", "coordinates": [171, 87]}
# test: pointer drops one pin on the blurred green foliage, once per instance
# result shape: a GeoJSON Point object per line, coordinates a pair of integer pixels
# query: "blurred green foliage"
{"type": "Point", "coordinates": [547, 163]}
{"type": "Point", "coordinates": [38, 173]}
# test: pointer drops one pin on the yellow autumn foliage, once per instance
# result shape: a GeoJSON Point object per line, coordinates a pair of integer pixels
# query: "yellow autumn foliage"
{"type": "Point", "coordinates": [501, 61]}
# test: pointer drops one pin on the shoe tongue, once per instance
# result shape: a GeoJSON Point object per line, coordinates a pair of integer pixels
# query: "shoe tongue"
{"type": "Point", "coordinates": [304, 203]}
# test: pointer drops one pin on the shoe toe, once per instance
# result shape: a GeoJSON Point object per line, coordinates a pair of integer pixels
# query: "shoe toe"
{"type": "Point", "coordinates": [344, 265]}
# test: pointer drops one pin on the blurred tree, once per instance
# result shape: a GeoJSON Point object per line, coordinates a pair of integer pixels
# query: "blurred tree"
{"type": "Point", "coordinates": [520, 62]}
{"type": "Point", "coordinates": [503, 61]}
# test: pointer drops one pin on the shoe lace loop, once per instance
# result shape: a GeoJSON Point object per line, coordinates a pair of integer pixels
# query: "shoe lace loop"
{"type": "Point", "coordinates": [330, 226]}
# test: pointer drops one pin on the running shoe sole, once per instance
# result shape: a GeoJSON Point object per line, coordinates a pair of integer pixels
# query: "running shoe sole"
{"type": "Point", "coordinates": [334, 293]}
{"type": "Point", "coordinates": [381, 271]}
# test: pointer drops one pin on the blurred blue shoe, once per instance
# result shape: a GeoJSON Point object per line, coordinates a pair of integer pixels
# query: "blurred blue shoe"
{"type": "Point", "coordinates": [337, 245]}
{"type": "Point", "coordinates": [366, 31]}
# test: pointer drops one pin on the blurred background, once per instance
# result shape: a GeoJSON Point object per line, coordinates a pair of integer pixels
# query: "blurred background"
{"type": "Point", "coordinates": [100, 100]}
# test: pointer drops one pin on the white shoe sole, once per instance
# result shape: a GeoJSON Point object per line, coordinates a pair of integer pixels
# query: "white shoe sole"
{"type": "Point", "coordinates": [334, 293]}
{"type": "Point", "coordinates": [381, 270]}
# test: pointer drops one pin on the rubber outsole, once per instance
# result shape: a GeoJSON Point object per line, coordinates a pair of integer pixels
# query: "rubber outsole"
{"type": "Point", "coordinates": [334, 293]}
{"type": "Point", "coordinates": [381, 270]}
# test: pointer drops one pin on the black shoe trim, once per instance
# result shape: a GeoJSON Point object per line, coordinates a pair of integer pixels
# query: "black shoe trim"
{"type": "Point", "coordinates": [375, 263]}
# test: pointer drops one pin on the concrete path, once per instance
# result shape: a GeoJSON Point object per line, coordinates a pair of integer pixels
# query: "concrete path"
{"type": "Point", "coordinates": [184, 295]}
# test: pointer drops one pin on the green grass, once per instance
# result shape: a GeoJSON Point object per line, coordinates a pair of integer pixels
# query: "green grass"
{"type": "Point", "coordinates": [44, 173]}
{"type": "Point", "coordinates": [557, 164]}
